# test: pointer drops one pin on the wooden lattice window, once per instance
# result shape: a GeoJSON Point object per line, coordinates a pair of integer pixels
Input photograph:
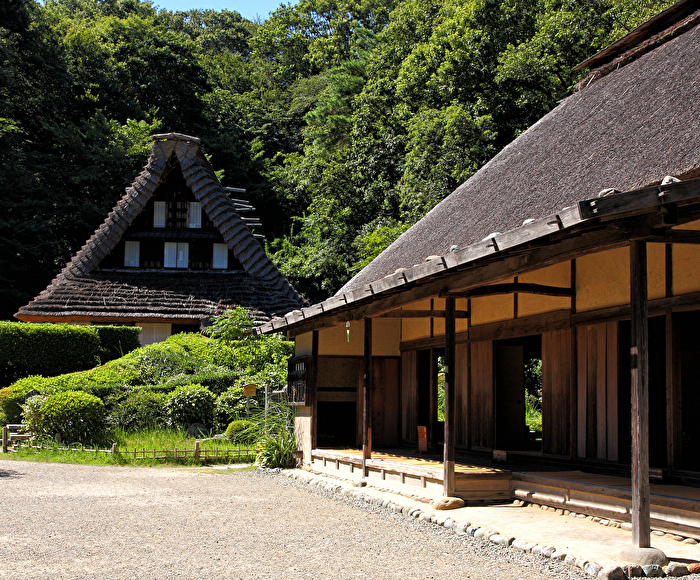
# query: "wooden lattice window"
{"type": "Point", "coordinates": [299, 373]}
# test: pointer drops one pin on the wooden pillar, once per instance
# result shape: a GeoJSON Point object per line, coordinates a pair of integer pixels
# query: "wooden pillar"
{"type": "Point", "coordinates": [640, 395]}
{"type": "Point", "coordinates": [311, 382]}
{"type": "Point", "coordinates": [367, 398]}
{"type": "Point", "coordinates": [450, 375]}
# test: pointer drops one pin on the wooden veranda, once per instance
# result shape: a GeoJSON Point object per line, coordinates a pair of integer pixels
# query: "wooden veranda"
{"type": "Point", "coordinates": [673, 508]}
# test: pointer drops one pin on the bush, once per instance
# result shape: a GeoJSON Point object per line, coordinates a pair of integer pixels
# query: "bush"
{"type": "Point", "coordinates": [240, 431]}
{"type": "Point", "coordinates": [189, 404]}
{"type": "Point", "coordinates": [54, 349]}
{"type": "Point", "coordinates": [140, 410]}
{"type": "Point", "coordinates": [45, 349]}
{"type": "Point", "coordinates": [116, 341]}
{"type": "Point", "coordinates": [273, 433]}
{"type": "Point", "coordinates": [12, 397]}
{"type": "Point", "coordinates": [217, 379]}
{"type": "Point", "coordinates": [231, 405]}
{"type": "Point", "coordinates": [73, 415]}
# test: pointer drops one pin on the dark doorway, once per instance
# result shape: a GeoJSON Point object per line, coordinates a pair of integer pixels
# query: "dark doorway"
{"type": "Point", "coordinates": [688, 340]}
{"type": "Point", "coordinates": [514, 361]}
{"type": "Point", "coordinates": [657, 392]}
{"type": "Point", "coordinates": [428, 393]}
{"type": "Point", "coordinates": [336, 424]}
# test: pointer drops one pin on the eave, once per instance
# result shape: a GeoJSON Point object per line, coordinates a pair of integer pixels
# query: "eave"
{"type": "Point", "coordinates": [590, 226]}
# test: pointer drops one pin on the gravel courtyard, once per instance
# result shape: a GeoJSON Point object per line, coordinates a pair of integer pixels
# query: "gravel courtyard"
{"type": "Point", "coordinates": [73, 521]}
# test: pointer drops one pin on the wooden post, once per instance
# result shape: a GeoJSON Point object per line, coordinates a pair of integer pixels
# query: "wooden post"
{"type": "Point", "coordinates": [4, 439]}
{"type": "Point", "coordinates": [196, 450]}
{"type": "Point", "coordinates": [641, 530]}
{"type": "Point", "coordinates": [449, 452]}
{"type": "Point", "coordinates": [114, 448]}
{"type": "Point", "coordinates": [367, 398]}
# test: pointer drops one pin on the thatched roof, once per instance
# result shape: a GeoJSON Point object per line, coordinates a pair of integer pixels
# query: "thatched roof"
{"type": "Point", "coordinates": [626, 131]}
{"type": "Point", "coordinates": [81, 289]}
{"type": "Point", "coordinates": [158, 295]}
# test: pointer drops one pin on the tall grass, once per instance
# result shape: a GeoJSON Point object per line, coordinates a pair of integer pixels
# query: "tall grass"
{"type": "Point", "coordinates": [148, 439]}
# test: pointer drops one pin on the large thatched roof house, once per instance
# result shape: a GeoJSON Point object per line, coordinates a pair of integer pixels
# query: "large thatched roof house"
{"type": "Point", "coordinates": [174, 251]}
{"type": "Point", "coordinates": [577, 248]}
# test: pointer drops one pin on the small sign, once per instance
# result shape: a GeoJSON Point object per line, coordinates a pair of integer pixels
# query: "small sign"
{"type": "Point", "coordinates": [423, 439]}
{"type": "Point", "coordinates": [249, 390]}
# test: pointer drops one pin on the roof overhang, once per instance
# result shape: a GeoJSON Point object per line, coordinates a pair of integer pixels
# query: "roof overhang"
{"type": "Point", "coordinates": [591, 226]}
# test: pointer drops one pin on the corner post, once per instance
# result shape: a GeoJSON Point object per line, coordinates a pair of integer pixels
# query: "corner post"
{"type": "Point", "coordinates": [641, 526]}
{"type": "Point", "coordinates": [367, 398]}
{"type": "Point", "coordinates": [449, 451]}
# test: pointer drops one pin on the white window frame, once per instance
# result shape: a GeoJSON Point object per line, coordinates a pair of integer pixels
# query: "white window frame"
{"type": "Point", "coordinates": [132, 254]}
{"type": "Point", "coordinates": [219, 260]}
{"type": "Point", "coordinates": [176, 255]}
{"type": "Point", "coordinates": [194, 215]}
{"type": "Point", "coordinates": [159, 212]}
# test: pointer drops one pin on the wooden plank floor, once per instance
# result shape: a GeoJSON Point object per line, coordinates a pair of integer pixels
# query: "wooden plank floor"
{"type": "Point", "coordinates": [419, 461]}
{"type": "Point", "coordinates": [580, 479]}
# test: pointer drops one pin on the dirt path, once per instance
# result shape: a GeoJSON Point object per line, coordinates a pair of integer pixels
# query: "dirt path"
{"type": "Point", "coordinates": [67, 521]}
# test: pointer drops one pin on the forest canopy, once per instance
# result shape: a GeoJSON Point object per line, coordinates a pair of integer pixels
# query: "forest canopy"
{"type": "Point", "coordinates": [346, 121]}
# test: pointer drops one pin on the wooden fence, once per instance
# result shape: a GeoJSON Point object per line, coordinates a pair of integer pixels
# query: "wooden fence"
{"type": "Point", "coordinates": [197, 453]}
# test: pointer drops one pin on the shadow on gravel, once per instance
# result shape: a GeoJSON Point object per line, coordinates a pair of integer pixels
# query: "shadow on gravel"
{"type": "Point", "coordinates": [10, 473]}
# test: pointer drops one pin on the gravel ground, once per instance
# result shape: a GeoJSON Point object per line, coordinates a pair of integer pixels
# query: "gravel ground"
{"type": "Point", "coordinates": [74, 521]}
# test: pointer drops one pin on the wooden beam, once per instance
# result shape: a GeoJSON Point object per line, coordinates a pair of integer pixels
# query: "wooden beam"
{"type": "Point", "coordinates": [676, 237]}
{"type": "Point", "coordinates": [422, 314]}
{"type": "Point", "coordinates": [450, 375]}
{"type": "Point", "coordinates": [476, 274]}
{"type": "Point", "coordinates": [512, 288]}
{"type": "Point", "coordinates": [367, 398]}
{"type": "Point", "coordinates": [641, 527]}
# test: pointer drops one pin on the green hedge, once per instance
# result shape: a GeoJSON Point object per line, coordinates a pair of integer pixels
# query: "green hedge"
{"type": "Point", "coordinates": [53, 349]}
{"type": "Point", "coordinates": [116, 341]}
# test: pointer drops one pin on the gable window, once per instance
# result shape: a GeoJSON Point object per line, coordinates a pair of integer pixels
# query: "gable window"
{"type": "Point", "coordinates": [176, 255]}
{"type": "Point", "coordinates": [194, 212]}
{"type": "Point", "coordinates": [220, 257]}
{"type": "Point", "coordinates": [131, 254]}
{"type": "Point", "coordinates": [159, 214]}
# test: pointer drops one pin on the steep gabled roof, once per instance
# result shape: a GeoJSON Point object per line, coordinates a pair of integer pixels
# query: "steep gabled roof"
{"type": "Point", "coordinates": [77, 285]}
{"type": "Point", "coordinates": [625, 131]}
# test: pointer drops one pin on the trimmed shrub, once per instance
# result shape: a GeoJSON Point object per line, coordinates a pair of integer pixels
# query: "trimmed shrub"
{"type": "Point", "coordinates": [140, 410]}
{"type": "Point", "coordinates": [12, 397]}
{"type": "Point", "coordinates": [217, 379]}
{"type": "Point", "coordinates": [116, 341]}
{"type": "Point", "coordinates": [45, 349]}
{"type": "Point", "coordinates": [189, 404]}
{"type": "Point", "coordinates": [53, 349]}
{"type": "Point", "coordinates": [73, 415]}
{"type": "Point", "coordinates": [240, 431]}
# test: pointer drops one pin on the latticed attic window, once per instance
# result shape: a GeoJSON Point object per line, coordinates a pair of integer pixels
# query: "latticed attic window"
{"type": "Point", "coordinates": [159, 210]}
{"type": "Point", "coordinates": [220, 257]}
{"type": "Point", "coordinates": [131, 254]}
{"type": "Point", "coordinates": [194, 217]}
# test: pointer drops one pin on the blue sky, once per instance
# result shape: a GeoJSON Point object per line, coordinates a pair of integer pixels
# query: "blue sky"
{"type": "Point", "coordinates": [247, 8]}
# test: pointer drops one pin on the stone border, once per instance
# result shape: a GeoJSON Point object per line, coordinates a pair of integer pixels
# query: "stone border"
{"type": "Point", "coordinates": [346, 489]}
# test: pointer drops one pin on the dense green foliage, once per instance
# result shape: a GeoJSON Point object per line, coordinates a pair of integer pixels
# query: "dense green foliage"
{"type": "Point", "coordinates": [46, 349]}
{"type": "Point", "coordinates": [71, 416]}
{"type": "Point", "coordinates": [345, 121]}
{"type": "Point", "coordinates": [239, 431]}
{"type": "Point", "coordinates": [189, 404]}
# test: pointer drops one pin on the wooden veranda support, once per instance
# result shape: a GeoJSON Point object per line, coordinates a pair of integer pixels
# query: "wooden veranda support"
{"type": "Point", "coordinates": [449, 451]}
{"type": "Point", "coordinates": [367, 398]}
{"type": "Point", "coordinates": [641, 527]}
